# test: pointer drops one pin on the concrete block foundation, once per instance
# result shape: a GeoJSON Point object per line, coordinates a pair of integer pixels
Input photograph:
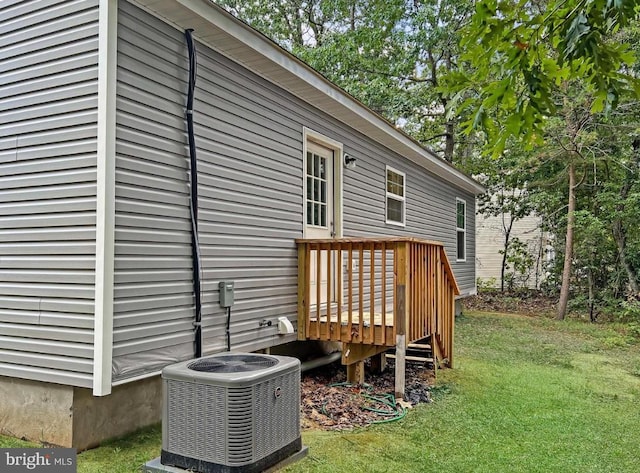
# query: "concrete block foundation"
{"type": "Point", "coordinates": [67, 416]}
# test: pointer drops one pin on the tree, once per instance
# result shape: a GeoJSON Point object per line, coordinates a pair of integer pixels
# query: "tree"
{"type": "Point", "coordinates": [595, 153]}
{"type": "Point", "coordinates": [392, 55]}
{"type": "Point", "coordinates": [435, 27]}
{"type": "Point", "coordinates": [519, 258]}
{"type": "Point", "coordinates": [524, 56]}
{"type": "Point", "coordinates": [507, 196]}
{"type": "Point", "coordinates": [521, 53]}
{"type": "Point", "coordinates": [619, 228]}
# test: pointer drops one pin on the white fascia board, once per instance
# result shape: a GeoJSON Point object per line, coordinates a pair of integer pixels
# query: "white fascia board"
{"type": "Point", "coordinates": [309, 86]}
{"type": "Point", "coordinates": [105, 198]}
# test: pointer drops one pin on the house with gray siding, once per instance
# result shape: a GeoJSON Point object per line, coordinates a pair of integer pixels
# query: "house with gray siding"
{"type": "Point", "coordinates": [96, 229]}
{"type": "Point", "coordinates": [491, 231]}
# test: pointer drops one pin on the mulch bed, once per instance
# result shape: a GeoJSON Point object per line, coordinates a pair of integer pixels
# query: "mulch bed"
{"type": "Point", "coordinates": [329, 403]}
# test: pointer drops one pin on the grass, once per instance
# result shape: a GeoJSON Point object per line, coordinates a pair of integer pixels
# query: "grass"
{"type": "Point", "coordinates": [528, 395]}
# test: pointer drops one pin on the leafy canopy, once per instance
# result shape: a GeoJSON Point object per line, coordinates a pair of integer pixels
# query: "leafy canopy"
{"type": "Point", "coordinates": [520, 52]}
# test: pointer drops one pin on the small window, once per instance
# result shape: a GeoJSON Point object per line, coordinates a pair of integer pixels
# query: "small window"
{"type": "Point", "coordinates": [317, 195]}
{"type": "Point", "coordinates": [395, 197]}
{"type": "Point", "coordinates": [461, 230]}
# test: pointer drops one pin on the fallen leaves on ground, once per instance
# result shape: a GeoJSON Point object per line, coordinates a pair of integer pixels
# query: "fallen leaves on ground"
{"type": "Point", "coordinates": [528, 302]}
{"type": "Point", "coordinates": [329, 403]}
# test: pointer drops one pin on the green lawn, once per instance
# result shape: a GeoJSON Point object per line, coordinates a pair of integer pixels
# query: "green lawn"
{"type": "Point", "coordinates": [528, 395]}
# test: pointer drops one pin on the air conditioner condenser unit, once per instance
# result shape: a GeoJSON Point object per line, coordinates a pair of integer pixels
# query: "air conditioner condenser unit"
{"type": "Point", "coordinates": [231, 412]}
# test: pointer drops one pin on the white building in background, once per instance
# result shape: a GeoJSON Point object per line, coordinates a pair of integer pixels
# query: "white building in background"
{"type": "Point", "coordinates": [490, 235]}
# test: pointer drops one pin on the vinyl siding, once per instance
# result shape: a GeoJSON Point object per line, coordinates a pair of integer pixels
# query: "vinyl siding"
{"type": "Point", "coordinates": [430, 202]}
{"type": "Point", "coordinates": [490, 235]}
{"type": "Point", "coordinates": [48, 102]}
{"type": "Point", "coordinates": [249, 137]}
{"type": "Point", "coordinates": [153, 302]}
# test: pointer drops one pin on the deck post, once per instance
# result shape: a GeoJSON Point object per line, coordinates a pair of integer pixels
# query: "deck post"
{"type": "Point", "coordinates": [401, 314]}
{"type": "Point", "coordinates": [355, 372]}
{"type": "Point", "coordinates": [378, 363]}
{"type": "Point", "coordinates": [401, 348]}
{"type": "Point", "coordinates": [354, 354]}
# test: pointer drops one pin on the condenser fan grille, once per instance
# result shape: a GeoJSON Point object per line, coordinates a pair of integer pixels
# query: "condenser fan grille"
{"type": "Point", "coordinates": [232, 363]}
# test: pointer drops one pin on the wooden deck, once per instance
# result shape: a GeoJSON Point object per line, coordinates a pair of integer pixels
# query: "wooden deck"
{"type": "Point", "coordinates": [370, 332]}
{"type": "Point", "coordinates": [377, 293]}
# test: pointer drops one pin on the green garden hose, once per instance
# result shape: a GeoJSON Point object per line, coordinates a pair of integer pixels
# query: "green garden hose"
{"type": "Point", "coordinates": [387, 400]}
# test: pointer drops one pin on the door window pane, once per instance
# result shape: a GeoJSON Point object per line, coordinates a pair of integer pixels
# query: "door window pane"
{"type": "Point", "coordinates": [309, 212]}
{"type": "Point", "coordinates": [316, 214]}
{"type": "Point", "coordinates": [316, 165]}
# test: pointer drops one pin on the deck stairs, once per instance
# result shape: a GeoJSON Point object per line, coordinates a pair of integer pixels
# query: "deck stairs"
{"type": "Point", "coordinates": [417, 353]}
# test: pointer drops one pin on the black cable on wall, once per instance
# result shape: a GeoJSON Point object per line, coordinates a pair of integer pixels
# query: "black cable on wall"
{"type": "Point", "coordinates": [193, 201]}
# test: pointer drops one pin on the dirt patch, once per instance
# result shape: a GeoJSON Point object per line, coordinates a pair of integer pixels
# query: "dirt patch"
{"type": "Point", "coordinates": [329, 403]}
{"type": "Point", "coordinates": [518, 302]}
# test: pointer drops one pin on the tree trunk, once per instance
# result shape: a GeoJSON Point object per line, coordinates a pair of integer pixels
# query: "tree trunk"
{"type": "Point", "coordinates": [505, 248]}
{"type": "Point", "coordinates": [450, 141]}
{"type": "Point", "coordinates": [621, 243]}
{"type": "Point", "coordinates": [540, 258]}
{"type": "Point", "coordinates": [592, 303]}
{"type": "Point", "coordinates": [568, 252]}
{"type": "Point", "coordinates": [352, 16]}
{"type": "Point", "coordinates": [504, 265]}
{"type": "Point", "coordinates": [618, 230]}
{"type": "Point", "coordinates": [449, 127]}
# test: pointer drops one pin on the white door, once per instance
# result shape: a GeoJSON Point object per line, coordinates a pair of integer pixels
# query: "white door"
{"type": "Point", "coordinates": [320, 221]}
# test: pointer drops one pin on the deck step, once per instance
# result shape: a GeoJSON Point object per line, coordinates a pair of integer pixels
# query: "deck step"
{"type": "Point", "coordinates": [411, 358]}
{"type": "Point", "coordinates": [419, 346]}
{"type": "Point", "coordinates": [418, 352]}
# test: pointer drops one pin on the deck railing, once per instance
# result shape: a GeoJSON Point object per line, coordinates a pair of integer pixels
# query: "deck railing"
{"type": "Point", "coordinates": [369, 291]}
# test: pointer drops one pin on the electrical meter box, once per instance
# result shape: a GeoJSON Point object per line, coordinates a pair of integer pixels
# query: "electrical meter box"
{"type": "Point", "coordinates": [226, 293]}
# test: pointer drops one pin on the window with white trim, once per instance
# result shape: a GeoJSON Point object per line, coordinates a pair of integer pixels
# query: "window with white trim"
{"type": "Point", "coordinates": [395, 196]}
{"type": "Point", "coordinates": [317, 184]}
{"type": "Point", "coordinates": [461, 230]}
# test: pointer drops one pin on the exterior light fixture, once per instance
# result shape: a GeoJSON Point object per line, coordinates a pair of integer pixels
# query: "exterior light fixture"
{"type": "Point", "coordinates": [349, 161]}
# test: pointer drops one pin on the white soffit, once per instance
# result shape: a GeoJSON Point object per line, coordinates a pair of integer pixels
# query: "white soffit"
{"type": "Point", "coordinates": [221, 31]}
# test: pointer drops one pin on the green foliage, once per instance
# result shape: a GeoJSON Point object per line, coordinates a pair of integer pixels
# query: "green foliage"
{"type": "Point", "coordinates": [520, 261]}
{"type": "Point", "coordinates": [626, 311]}
{"type": "Point", "coordinates": [521, 53]}
{"type": "Point", "coordinates": [633, 329]}
{"type": "Point", "coordinates": [486, 284]}
{"type": "Point", "coordinates": [391, 55]}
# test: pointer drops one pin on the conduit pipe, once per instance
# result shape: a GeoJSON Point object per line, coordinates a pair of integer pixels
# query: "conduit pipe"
{"type": "Point", "coordinates": [193, 201]}
{"type": "Point", "coordinates": [320, 361]}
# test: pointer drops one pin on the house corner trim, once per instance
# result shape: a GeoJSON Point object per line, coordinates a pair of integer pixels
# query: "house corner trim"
{"type": "Point", "coordinates": [105, 198]}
